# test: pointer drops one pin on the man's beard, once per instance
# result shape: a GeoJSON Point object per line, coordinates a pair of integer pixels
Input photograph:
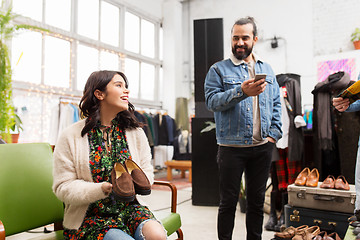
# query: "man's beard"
{"type": "Point", "coordinates": [243, 55]}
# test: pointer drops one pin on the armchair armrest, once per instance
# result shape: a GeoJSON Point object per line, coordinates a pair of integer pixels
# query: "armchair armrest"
{"type": "Point", "coordinates": [173, 193]}
{"type": "Point", "coordinates": [2, 231]}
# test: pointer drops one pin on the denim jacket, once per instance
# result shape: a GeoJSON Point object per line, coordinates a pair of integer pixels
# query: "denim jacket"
{"type": "Point", "coordinates": [233, 109]}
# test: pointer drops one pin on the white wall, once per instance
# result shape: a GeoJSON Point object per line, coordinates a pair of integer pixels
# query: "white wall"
{"type": "Point", "coordinates": [309, 31]}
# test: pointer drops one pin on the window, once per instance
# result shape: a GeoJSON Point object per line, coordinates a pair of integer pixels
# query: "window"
{"type": "Point", "coordinates": [133, 76]}
{"type": "Point", "coordinates": [88, 18]}
{"type": "Point", "coordinates": [57, 62]}
{"type": "Point", "coordinates": [109, 24]}
{"type": "Point", "coordinates": [132, 32]}
{"type": "Point", "coordinates": [26, 57]}
{"type": "Point", "coordinates": [109, 61]}
{"type": "Point", "coordinates": [95, 35]}
{"type": "Point", "coordinates": [31, 9]}
{"type": "Point", "coordinates": [87, 62]}
{"type": "Point", "coordinates": [147, 38]}
{"type": "Point", "coordinates": [58, 13]}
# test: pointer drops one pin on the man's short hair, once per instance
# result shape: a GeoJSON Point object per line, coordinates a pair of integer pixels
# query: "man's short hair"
{"type": "Point", "coordinates": [246, 20]}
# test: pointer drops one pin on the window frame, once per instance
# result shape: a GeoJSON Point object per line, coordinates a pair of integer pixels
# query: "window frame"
{"type": "Point", "coordinates": [75, 39]}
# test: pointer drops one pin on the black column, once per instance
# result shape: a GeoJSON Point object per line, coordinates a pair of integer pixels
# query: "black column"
{"type": "Point", "coordinates": [208, 49]}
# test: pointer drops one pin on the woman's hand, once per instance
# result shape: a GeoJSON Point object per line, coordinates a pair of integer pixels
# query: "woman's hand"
{"type": "Point", "coordinates": [341, 104]}
{"type": "Point", "coordinates": [270, 139]}
{"type": "Point", "coordinates": [106, 187]}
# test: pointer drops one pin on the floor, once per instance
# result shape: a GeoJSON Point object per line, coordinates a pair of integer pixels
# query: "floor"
{"type": "Point", "coordinates": [198, 222]}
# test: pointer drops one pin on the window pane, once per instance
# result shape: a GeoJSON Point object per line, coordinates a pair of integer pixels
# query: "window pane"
{"type": "Point", "coordinates": [132, 32]}
{"type": "Point", "coordinates": [109, 24]}
{"type": "Point", "coordinates": [147, 81]}
{"type": "Point", "coordinates": [109, 61]}
{"type": "Point", "coordinates": [161, 42]}
{"type": "Point", "coordinates": [132, 74]}
{"type": "Point", "coordinates": [88, 18]}
{"type": "Point", "coordinates": [57, 62]}
{"type": "Point", "coordinates": [31, 9]}
{"type": "Point", "coordinates": [161, 82]}
{"type": "Point", "coordinates": [147, 38]}
{"type": "Point", "coordinates": [87, 62]}
{"type": "Point", "coordinates": [26, 57]}
{"type": "Point", "coordinates": [57, 13]}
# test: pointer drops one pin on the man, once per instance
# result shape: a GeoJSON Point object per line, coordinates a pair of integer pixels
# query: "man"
{"type": "Point", "coordinates": [343, 105]}
{"type": "Point", "coordinates": [248, 123]}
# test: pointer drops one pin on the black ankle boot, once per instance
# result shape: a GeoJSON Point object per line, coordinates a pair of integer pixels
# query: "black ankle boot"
{"type": "Point", "coordinates": [281, 222]}
{"type": "Point", "coordinates": [355, 217]}
{"type": "Point", "coordinates": [270, 225]}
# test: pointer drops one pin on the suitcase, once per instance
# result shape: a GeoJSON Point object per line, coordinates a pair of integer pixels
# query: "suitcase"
{"type": "Point", "coordinates": [322, 199]}
{"type": "Point", "coordinates": [327, 220]}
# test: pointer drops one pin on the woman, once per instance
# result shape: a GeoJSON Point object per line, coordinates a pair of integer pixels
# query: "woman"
{"type": "Point", "coordinates": [84, 158]}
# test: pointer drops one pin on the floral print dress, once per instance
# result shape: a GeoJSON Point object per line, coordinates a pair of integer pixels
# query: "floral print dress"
{"type": "Point", "coordinates": [107, 146]}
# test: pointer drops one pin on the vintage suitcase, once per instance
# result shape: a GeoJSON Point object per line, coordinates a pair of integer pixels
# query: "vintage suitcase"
{"type": "Point", "coordinates": [327, 220]}
{"type": "Point", "coordinates": [322, 199]}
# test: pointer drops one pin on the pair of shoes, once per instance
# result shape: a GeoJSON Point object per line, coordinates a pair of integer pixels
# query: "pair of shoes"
{"type": "Point", "coordinates": [307, 234]}
{"type": "Point", "coordinates": [321, 236]}
{"type": "Point", "coordinates": [289, 232]}
{"type": "Point", "coordinates": [308, 178]}
{"type": "Point", "coordinates": [128, 179]}
{"type": "Point", "coordinates": [339, 183]}
{"type": "Point", "coordinates": [332, 236]}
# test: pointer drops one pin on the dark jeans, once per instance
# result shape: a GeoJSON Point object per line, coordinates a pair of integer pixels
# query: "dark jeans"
{"type": "Point", "coordinates": [233, 161]}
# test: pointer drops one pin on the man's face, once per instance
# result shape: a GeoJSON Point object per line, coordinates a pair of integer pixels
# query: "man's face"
{"type": "Point", "coordinates": [243, 41]}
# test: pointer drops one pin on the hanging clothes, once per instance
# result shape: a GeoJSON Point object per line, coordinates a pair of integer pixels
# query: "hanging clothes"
{"type": "Point", "coordinates": [289, 151]}
{"type": "Point", "coordinates": [326, 151]}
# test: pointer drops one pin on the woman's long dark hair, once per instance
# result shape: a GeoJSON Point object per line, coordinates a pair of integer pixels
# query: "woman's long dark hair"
{"type": "Point", "coordinates": [90, 105]}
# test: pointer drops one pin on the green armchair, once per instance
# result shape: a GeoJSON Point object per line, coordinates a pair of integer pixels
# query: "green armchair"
{"type": "Point", "coordinates": [27, 200]}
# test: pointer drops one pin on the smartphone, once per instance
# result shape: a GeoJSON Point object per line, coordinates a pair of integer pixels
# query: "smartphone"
{"type": "Point", "coordinates": [259, 76]}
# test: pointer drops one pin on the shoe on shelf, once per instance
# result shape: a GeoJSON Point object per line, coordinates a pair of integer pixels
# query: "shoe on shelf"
{"type": "Point", "coordinates": [329, 182]}
{"type": "Point", "coordinates": [123, 186]}
{"type": "Point", "coordinates": [302, 177]}
{"type": "Point", "coordinates": [333, 236]}
{"type": "Point", "coordinates": [141, 182]}
{"type": "Point", "coordinates": [321, 236]}
{"type": "Point", "coordinates": [341, 183]}
{"type": "Point", "coordinates": [308, 234]}
{"type": "Point", "coordinates": [313, 178]}
{"type": "Point", "coordinates": [357, 237]}
{"type": "Point", "coordinates": [289, 232]}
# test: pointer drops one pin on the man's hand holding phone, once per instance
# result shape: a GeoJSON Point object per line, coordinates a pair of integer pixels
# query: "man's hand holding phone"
{"type": "Point", "coordinates": [254, 87]}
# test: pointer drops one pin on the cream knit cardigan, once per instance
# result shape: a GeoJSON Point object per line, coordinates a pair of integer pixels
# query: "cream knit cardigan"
{"type": "Point", "coordinates": [73, 182]}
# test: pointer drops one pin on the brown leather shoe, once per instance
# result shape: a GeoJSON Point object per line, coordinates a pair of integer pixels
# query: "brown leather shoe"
{"type": "Point", "coordinates": [332, 236]}
{"type": "Point", "coordinates": [141, 182]}
{"type": "Point", "coordinates": [313, 178]}
{"type": "Point", "coordinates": [301, 178]}
{"type": "Point", "coordinates": [329, 182]}
{"type": "Point", "coordinates": [320, 236]}
{"type": "Point", "coordinates": [123, 186]}
{"type": "Point", "coordinates": [289, 232]}
{"type": "Point", "coordinates": [308, 234]}
{"type": "Point", "coordinates": [341, 183]}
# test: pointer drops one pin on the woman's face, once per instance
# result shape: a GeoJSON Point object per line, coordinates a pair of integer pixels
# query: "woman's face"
{"type": "Point", "coordinates": [116, 96]}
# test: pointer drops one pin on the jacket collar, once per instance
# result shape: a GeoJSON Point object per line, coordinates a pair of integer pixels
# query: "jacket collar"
{"type": "Point", "coordinates": [238, 62]}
